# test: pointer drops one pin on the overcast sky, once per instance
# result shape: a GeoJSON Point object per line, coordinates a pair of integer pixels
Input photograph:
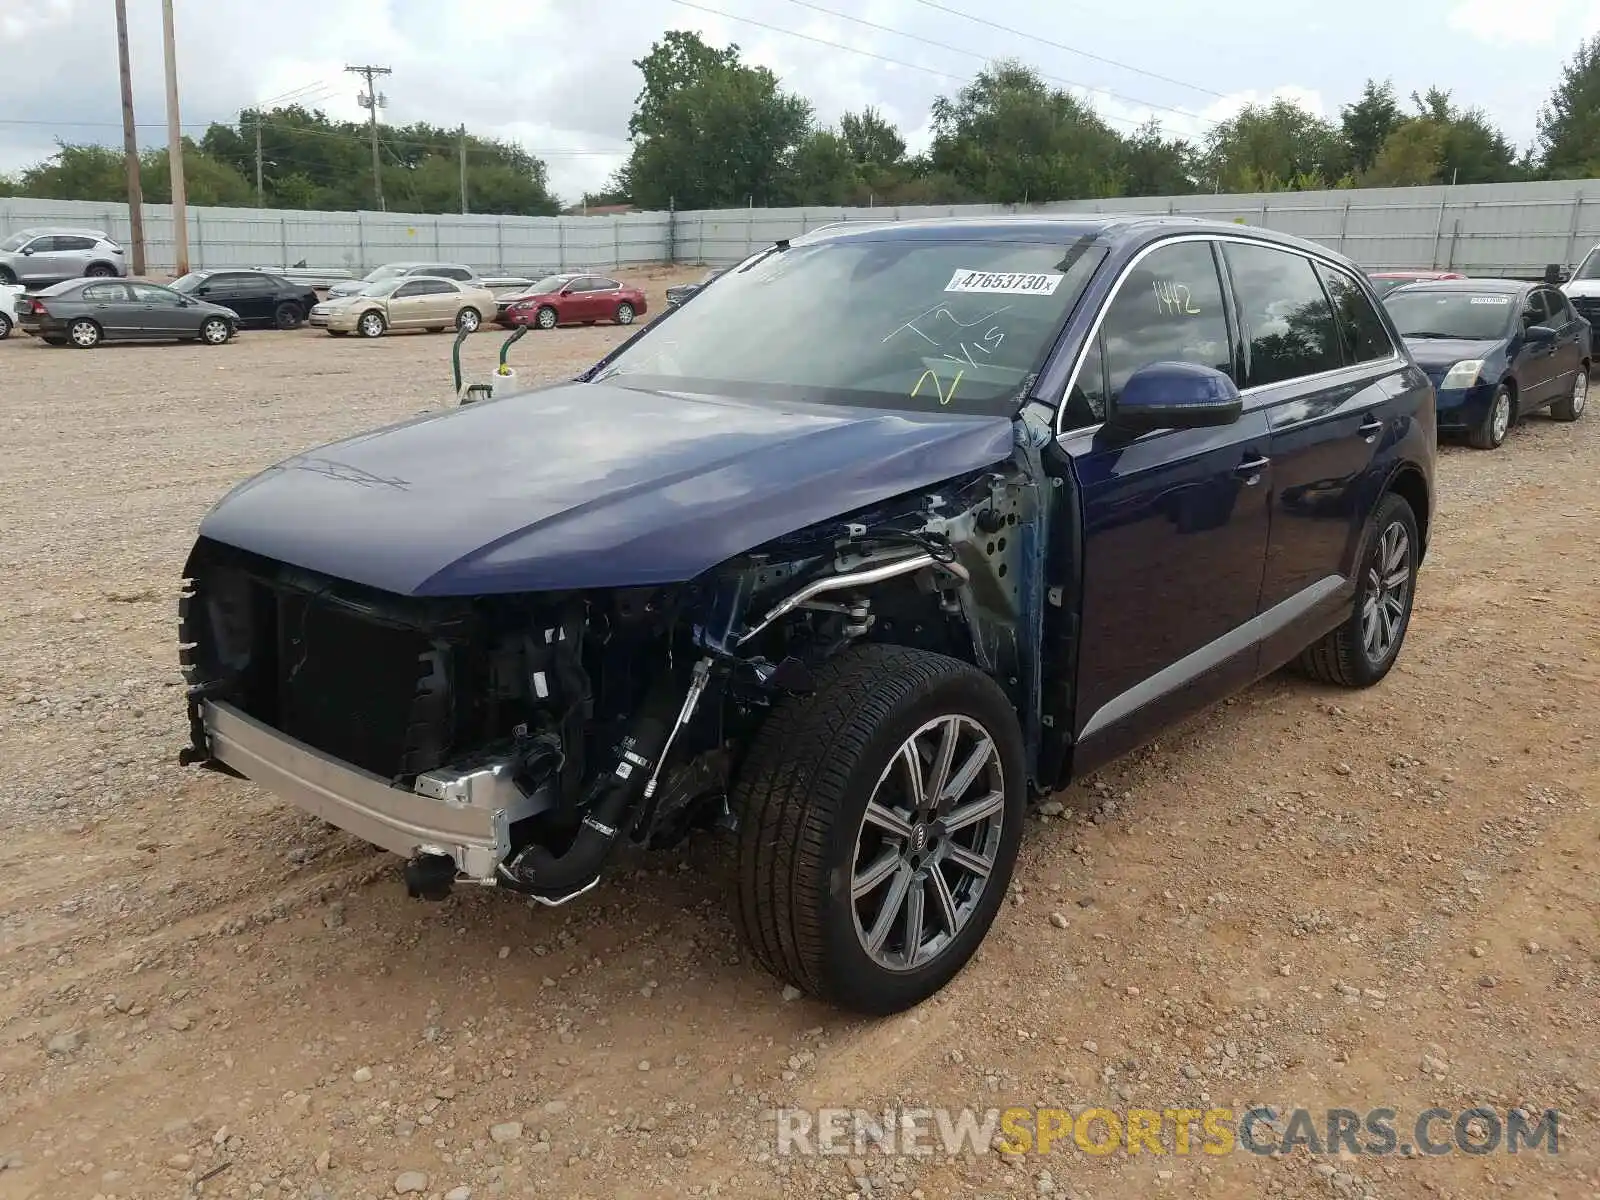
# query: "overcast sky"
{"type": "Point", "coordinates": [557, 76]}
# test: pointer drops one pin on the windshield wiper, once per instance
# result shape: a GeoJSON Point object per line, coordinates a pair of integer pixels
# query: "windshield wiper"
{"type": "Point", "coordinates": [1428, 333]}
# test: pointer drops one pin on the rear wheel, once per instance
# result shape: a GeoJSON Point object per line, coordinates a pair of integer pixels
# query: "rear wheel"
{"type": "Point", "coordinates": [5, 327]}
{"type": "Point", "coordinates": [547, 317]}
{"type": "Point", "coordinates": [371, 324]}
{"type": "Point", "coordinates": [468, 320]}
{"type": "Point", "coordinates": [6, 275]}
{"type": "Point", "coordinates": [879, 821]}
{"type": "Point", "coordinates": [1360, 652]}
{"type": "Point", "coordinates": [288, 316]}
{"type": "Point", "coordinates": [624, 313]}
{"type": "Point", "coordinates": [215, 331]}
{"type": "Point", "coordinates": [84, 334]}
{"type": "Point", "coordinates": [1490, 433]}
{"type": "Point", "coordinates": [1570, 406]}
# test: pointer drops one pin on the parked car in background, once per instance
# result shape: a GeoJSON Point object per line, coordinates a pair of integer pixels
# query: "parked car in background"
{"type": "Point", "coordinates": [679, 292]}
{"type": "Point", "coordinates": [406, 302]}
{"type": "Point", "coordinates": [1583, 287]}
{"type": "Point", "coordinates": [86, 312]}
{"type": "Point", "coordinates": [545, 286]}
{"type": "Point", "coordinates": [261, 300]}
{"type": "Point", "coordinates": [460, 272]}
{"type": "Point", "coordinates": [849, 571]}
{"type": "Point", "coordinates": [39, 257]}
{"type": "Point", "coordinates": [1387, 281]}
{"type": "Point", "coordinates": [1495, 349]}
{"type": "Point", "coordinates": [8, 308]}
{"type": "Point", "coordinates": [576, 300]}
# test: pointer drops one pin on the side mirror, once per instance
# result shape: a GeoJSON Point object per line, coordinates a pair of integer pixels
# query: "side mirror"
{"type": "Point", "coordinates": [1539, 335]}
{"type": "Point", "coordinates": [1555, 273]}
{"type": "Point", "coordinates": [1175, 395]}
{"type": "Point", "coordinates": [26, 250]}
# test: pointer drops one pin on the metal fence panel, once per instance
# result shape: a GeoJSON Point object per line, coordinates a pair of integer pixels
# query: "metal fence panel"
{"type": "Point", "coordinates": [1503, 228]}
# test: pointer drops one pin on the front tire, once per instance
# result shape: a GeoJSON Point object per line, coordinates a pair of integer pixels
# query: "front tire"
{"type": "Point", "coordinates": [468, 320]}
{"type": "Point", "coordinates": [101, 271]}
{"type": "Point", "coordinates": [1570, 407]}
{"type": "Point", "coordinates": [84, 334]}
{"type": "Point", "coordinates": [288, 316]}
{"type": "Point", "coordinates": [371, 324]}
{"type": "Point", "coordinates": [1490, 433]}
{"type": "Point", "coordinates": [1361, 651]}
{"type": "Point", "coordinates": [624, 313]}
{"type": "Point", "coordinates": [547, 318]}
{"type": "Point", "coordinates": [215, 331]}
{"type": "Point", "coordinates": [879, 822]}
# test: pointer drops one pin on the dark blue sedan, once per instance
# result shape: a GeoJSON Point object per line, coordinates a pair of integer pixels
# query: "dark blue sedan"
{"type": "Point", "coordinates": [1496, 349]}
{"type": "Point", "coordinates": [890, 530]}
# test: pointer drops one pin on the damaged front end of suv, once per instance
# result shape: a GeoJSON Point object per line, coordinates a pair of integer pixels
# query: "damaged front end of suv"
{"type": "Point", "coordinates": [519, 739]}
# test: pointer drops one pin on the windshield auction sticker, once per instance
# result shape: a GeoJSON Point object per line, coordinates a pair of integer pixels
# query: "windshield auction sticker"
{"type": "Point", "coordinates": [1491, 300]}
{"type": "Point", "coordinates": [1005, 283]}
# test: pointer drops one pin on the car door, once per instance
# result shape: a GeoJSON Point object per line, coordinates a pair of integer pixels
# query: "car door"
{"type": "Point", "coordinates": [112, 305]}
{"type": "Point", "coordinates": [1174, 522]}
{"type": "Point", "coordinates": [36, 262]}
{"type": "Point", "coordinates": [1320, 374]}
{"type": "Point", "coordinates": [1533, 364]}
{"type": "Point", "coordinates": [1567, 352]}
{"type": "Point", "coordinates": [445, 301]}
{"type": "Point", "coordinates": [70, 254]}
{"type": "Point", "coordinates": [604, 298]}
{"type": "Point", "coordinates": [159, 312]}
{"type": "Point", "coordinates": [408, 305]}
{"type": "Point", "coordinates": [249, 294]}
{"type": "Point", "coordinates": [582, 301]}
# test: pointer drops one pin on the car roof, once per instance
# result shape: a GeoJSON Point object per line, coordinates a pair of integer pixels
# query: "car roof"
{"type": "Point", "coordinates": [80, 231]}
{"type": "Point", "coordinates": [1468, 285]}
{"type": "Point", "coordinates": [1111, 229]}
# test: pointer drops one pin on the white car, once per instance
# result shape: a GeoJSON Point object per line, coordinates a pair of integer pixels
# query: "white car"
{"type": "Point", "coordinates": [8, 308]}
{"type": "Point", "coordinates": [1583, 287]}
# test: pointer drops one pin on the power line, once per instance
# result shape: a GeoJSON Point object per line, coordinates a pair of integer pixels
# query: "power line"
{"type": "Point", "coordinates": [1033, 37]}
{"type": "Point", "coordinates": [917, 37]}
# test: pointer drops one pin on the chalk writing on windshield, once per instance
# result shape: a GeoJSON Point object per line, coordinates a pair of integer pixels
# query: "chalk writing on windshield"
{"type": "Point", "coordinates": [1173, 298]}
{"type": "Point", "coordinates": [944, 394]}
{"type": "Point", "coordinates": [938, 325]}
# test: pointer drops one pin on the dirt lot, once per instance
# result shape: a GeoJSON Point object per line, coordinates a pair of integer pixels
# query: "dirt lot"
{"type": "Point", "coordinates": [1384, 899]}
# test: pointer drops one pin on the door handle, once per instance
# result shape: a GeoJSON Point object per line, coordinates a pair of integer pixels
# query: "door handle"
{"type": "Point", "coordinates": [1370, 428]}
{"type": "Point", "coordinates": [1250, 470]}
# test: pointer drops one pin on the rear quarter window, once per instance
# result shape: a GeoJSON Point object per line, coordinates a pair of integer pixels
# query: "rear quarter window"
{"type": "Point", "coordinates": [1361, 330]}
{"type": "Point", "coordinates": [1288, 322]}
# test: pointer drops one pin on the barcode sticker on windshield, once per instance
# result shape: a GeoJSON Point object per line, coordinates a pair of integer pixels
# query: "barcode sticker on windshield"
{"type": "Point", "coordinates": [1491, 300]}
{"type": "Point", "coordinates": [1005, 283]}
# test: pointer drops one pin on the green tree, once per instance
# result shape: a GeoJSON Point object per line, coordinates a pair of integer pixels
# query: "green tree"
{"type": "Point", "coordinates": [707, 130]}
{"type": "Point", "coordinates": [821, 170]}
{"type": "Point", "coordinates": [871, 140]}
{"type": "Point", "coordinates": [1153, 165]}
{"type": "Point", "coordinates": [1009, 138]}
{"type": "Point", "coordinates": [1472, 149]}
{"type": "Point", "coordinates": [1368, 123]}
{"type": "Point", "coordinates": [1275, 147]}
{"type": "Point", "coordinates": [77, 173]}
{"type": "Point", "coordinates": [1413, 154]}
{"type": "Point", "coordinates": [1569, 124]}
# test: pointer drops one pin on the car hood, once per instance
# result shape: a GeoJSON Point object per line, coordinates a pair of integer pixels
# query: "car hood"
{"type": "Point", "coordinates": [1583, 287]}
{"type": "Point", "coordinates": [1440, 354]}
{"type": "Point", "coordinates": [586, 486]}
{"type": "Point", "coordinates": [348, 288]}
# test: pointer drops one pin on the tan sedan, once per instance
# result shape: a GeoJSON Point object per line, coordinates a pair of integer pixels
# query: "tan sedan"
{"type": "Point", "coordinates": [410, 302]}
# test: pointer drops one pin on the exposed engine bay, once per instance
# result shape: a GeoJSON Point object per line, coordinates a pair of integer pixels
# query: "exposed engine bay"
{"type": "Point", "coordinates": [569, 724]}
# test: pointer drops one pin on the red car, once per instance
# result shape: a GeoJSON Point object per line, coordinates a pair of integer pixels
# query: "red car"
{"type": "Point", "coordinates": [573, 300]}
{"type": "Point", "coordinates": [1386, 281]}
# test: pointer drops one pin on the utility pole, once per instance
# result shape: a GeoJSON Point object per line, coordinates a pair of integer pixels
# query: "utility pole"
{"type": "Point", "coordinates": [261, 200]}
{"type": "Point", "coordinates": [372, 102]}
{"type": "Point", "coordinates": [463, 170]}
{"type": "Point", "coordinates": [130, 143]}
{"type": "Point", "coordinates": [180, 211]}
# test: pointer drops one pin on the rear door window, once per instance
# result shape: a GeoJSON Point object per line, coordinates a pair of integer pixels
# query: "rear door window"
{"type": "Point", "coordinates": [1288, 323]}
{"type": "Point", "coordinates": [1361, 330]}
{"type": "Point", "coordinates": [105, 293]}
{"type": "Point", "coordinates": [68, 241]}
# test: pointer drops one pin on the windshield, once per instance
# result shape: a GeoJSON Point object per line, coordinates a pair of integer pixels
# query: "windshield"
{"type": "Point", "coordinates": [550, 283]}
{"type": "Point", "coordinates": [386, 272]}
{"type": "Point", "coordinates": [187, 283]}
{"type": "Point", "coordinates": [382, 287]}
{"type": "Point", "coordinates": [1589, 269]}
{"type": "Point", "coordinates": [15, 241]}
{"type": "Point", "coordinates": [884, 321]}
{"type": "Point", "coordinates": [1475, 316]}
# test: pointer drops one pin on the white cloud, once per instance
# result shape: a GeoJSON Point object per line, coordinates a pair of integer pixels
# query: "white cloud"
{"type": "Point", "coordinates": [1495, 22]}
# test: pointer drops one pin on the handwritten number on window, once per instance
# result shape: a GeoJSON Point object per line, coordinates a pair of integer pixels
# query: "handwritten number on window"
{"type": "Point", "coordinates": [938, 388]}
{"type": "Point", "coordinates": [1174, 298]}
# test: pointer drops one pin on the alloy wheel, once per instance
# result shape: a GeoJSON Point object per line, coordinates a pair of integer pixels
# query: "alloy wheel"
{"type": "Point", "coordinates": [468, 320]}
{"type": "Point", "coordinates": [1502, 417]}
{"type": "Point", "coordinates": [215, 331]}
{"type": "Point", "coordinates": [1383, 612]}
{"type": "Point", "coordinates": [1580, 392]}
{"type": "Point", "coordinates": [547, 318]}
{"type": "Point", "coordinates": [85, 334]}
{"type": "Point", "coordinates": [371, 325]}
{"type": "Point", "coordinates": [926, 848]}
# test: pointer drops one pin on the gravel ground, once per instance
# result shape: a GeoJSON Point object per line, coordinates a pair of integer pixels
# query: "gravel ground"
{"type": "Point", "coordinates": [1306, 897]}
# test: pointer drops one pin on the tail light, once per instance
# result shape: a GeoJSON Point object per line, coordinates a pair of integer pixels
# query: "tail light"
{"type": "Point", "coordinates": [37, 308]}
